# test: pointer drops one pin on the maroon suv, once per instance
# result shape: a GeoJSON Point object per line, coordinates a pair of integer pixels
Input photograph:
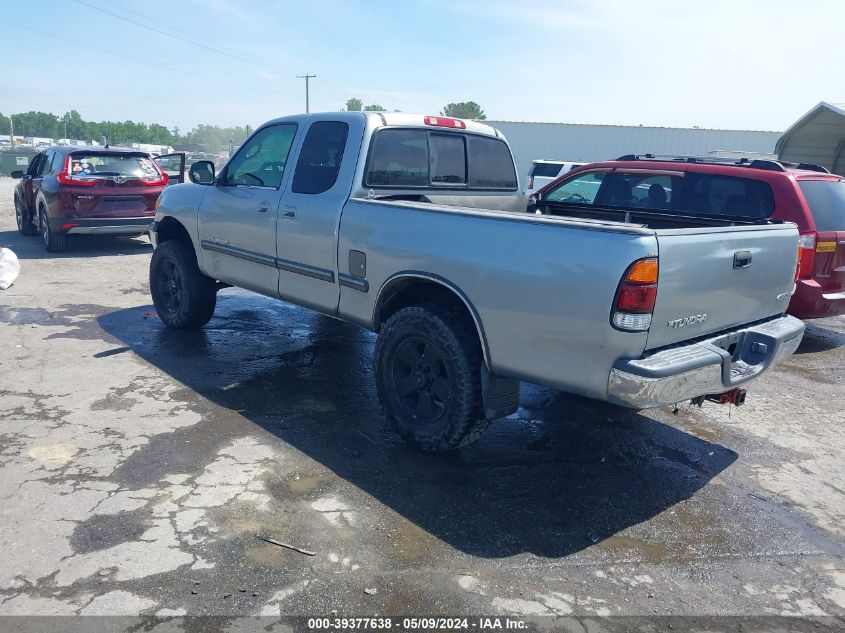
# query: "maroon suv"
{"type": "Point", "coordinates": [69, 190]}
{"type": "Point", "coordinates": [725, 191]}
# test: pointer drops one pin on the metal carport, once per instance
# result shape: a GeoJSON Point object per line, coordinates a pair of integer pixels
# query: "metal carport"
{"type": "Point", "coordinates": [817, 137]}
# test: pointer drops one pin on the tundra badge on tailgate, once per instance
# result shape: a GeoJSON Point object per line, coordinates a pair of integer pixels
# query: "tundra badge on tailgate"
{"type": "Point", "coordinates": [694, 319]}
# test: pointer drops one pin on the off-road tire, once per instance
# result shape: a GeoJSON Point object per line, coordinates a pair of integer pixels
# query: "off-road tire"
{"type": "Point", "coordinates": [455, 340]}
{"type": "Point", "coordinates": [23, 218]}
{"type": "Point", "coordinates": [184, 298]}
{"type": "Point", "coordinates": [53, 242]}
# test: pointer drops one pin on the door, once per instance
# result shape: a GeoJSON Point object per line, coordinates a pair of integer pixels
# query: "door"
{"type": "Point", "coordinates": [237, 216]}
{"type": "Point", "coordinates": [32, 180]}
{"type": "Point", "coordinates": [310, 214]}
{"type": "Point", "coordinates": [174, 166]}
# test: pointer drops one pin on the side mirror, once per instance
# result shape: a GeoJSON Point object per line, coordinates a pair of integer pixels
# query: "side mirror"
{"type": "Point", "coordinates": [202, 172]}
{"type": "Point", "coordinates": [17, 174]}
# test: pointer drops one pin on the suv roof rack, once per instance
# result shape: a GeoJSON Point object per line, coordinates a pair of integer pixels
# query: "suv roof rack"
{"type": "Point", "coordinates": [756, 163]}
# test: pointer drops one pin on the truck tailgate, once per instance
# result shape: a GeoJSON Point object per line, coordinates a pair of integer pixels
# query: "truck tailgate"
{"type": "Point", "coordinates": [713, 279]}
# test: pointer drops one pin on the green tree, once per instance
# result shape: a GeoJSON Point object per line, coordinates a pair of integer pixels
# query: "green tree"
{"type": "Point", "coordinates": [354, 105]}
{"type": "Point", "coordinates": [5, 125]}
{"type": "Point", "coordinates": [374, 108]}
{"type": "Point", "coordinates": [75, 125]}
{"type": "Point", "coordinates": [34, 123]}
{"type": "Point", "coordinates": [465, 110]}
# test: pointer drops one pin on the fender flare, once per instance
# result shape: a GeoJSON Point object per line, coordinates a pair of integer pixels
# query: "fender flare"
{"type": "Point", "coordinates": [436, 279]}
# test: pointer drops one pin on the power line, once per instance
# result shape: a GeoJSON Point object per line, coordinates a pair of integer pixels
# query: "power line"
{"type": "Point", "coordinates": [89, 46]}
{"type": "Point", "coordinates": [152, 28]}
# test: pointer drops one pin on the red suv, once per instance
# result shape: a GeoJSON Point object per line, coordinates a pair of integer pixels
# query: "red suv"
{"type": "Point", "coordinates": [725, 190]}
{"type": "Point", "coordinates": [70, 190]}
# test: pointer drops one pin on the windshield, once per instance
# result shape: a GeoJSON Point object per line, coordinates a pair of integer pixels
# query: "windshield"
{"type": "Point", "coordinates": [130, 165]}
{"type": "Point", "coordinates": [827, 203]}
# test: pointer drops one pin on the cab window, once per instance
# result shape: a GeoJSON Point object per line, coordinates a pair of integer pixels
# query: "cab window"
{"type": "Point", "coordinates": [261, 160]}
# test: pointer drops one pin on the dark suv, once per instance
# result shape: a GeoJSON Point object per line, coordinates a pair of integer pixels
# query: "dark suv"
{"type": "Point", "coordinates": [70, 190]}
{"type": "Point", "coordinates": [727, 191]}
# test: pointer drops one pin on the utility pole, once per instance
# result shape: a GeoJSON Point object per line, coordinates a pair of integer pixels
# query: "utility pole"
{"type": "Point", "coordinates": [12, 130]}
{"type": "Point", "coordinates": [306, 77]}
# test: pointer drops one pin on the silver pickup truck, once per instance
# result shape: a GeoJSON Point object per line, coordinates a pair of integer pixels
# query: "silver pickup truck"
{"type": "Point", "coordinates": [412, 227]}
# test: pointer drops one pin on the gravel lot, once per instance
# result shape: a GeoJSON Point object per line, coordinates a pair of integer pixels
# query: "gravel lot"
{"type": "Point", "coordinates": [138, 466]}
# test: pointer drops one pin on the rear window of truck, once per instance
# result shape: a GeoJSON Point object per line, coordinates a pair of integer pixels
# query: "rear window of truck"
{"type": "Point", "coordinates": [827, 203]}
{"type": "Point", "coordinates": [545, 170]}
{"type": "Point", "coordinates": [422, 159]}
{"type": "Point", "coordinates": [131, 165]}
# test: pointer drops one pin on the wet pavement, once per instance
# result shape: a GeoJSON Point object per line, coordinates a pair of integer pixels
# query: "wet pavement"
{"type": "Point", "coordinates": [139, 466]}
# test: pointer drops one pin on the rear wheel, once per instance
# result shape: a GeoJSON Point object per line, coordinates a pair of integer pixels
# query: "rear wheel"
{"type": "Point", "coordinates": [23, 219]}
{"type": "Point", "coordinates": [184, 298]}
{"type": "Point", "coordinates": [428, 374]}
{"type": "Point", "coordinates": [53, 242]}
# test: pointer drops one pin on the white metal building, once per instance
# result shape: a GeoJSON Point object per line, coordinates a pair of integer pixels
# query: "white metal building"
{"type": "Point", "coordinates": [588, 143]}
{"type": "Point", "coordinates": [817, 137]}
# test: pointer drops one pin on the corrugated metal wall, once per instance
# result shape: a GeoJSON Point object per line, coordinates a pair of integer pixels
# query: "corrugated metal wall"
{"type": "Point", "coordinates": [569, 141]}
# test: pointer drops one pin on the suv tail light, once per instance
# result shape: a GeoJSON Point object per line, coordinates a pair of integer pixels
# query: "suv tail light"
{"type": "Point", "coordinates": [66, 178]}
{"type": "Point", "coordinates": [806, 255]}
{"type": "Point", "coordinates": [531, 182]}
{"type": "Point", "coordinates": [161, 181]}
{"type": "Point", "coordinates": [635, 297]}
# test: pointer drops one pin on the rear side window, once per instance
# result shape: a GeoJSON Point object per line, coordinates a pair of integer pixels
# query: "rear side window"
{"type": "Point", "coordinates": [546, 170]}
{"type": "Point", "coordinates": [423, 159]}
{"type": "Point", "coordinates": [827, 203]}
{"type": "Point", "coordinates": [57, 164]}
{"type": "Point", "coordinates": [319, 159]}
{"type": "Point", "coordinates": [129, 165]}
{"type": "Point", "coordinates": [723, 195]}
{"type": "Point", "coordinates": [399, 158]}
{"type": "Point", "coordinates": [490, 164]}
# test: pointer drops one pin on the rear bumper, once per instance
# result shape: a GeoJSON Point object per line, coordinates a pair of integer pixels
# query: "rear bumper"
{"type": "Point", "coordinates": [811, 302]}
{"type": "Point", "coordinates": [101, 226]}
{"type": "Point", "coordinates": [704, 367]}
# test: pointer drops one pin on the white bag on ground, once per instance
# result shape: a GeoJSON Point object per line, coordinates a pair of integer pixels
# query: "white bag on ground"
{"type": "Point", "coordinates": [10, 268]}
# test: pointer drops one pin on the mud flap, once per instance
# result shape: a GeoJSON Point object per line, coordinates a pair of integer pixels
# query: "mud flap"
{"type": "Point", "coordinates": [500, 396]}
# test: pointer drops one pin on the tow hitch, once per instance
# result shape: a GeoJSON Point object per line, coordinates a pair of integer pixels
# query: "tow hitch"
{"type": "Point", "coordinates": [735, 396]}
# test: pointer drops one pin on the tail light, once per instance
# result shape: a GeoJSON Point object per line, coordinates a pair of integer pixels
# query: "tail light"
{"type": "Point", "coordinates": [806, 255]}
{"type": "Point", "coordinates": [531, 182]}
{"type": "Point", "coordinates": [161, 181]}
{"type": "Point", "coordinates": [66, 178]}
{"type": "Point", "coordinates": [635, 297]}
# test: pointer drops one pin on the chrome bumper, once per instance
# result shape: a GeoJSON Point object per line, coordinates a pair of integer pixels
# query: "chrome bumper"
{"type": "Point", "coordinates": [705, 367]}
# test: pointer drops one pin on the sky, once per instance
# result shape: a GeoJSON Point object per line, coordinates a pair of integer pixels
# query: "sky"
{"type": "Point", "coordinates": [753, 64]}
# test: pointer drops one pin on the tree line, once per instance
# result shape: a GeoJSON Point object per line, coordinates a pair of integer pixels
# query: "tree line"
{"type": "Point", "coordinates": [71, 125]}
{"type": "Point", "coordinates": [213, 138]}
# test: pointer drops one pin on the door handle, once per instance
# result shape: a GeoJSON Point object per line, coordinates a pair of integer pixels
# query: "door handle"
{"type": "Point", "coordinates": [290, 212]}
{"type": "Point", "coordinates": [264, 207]}
{"type": "Point", "coordinates": [742, 259]}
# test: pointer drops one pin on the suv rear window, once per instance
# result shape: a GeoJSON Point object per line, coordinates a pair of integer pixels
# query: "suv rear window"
{"type": "Point", "coordinates": [132, 165]}
{"type": "Point", "coordinates": [424, 159]}
{"type": "Point", "coordinates": [545, 170]}
{"type": "Point", "coordinates": [827, 203]}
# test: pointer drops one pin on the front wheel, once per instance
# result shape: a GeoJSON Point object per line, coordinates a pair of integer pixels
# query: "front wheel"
{"type": "Point", "coordinates": [428, 375]}
{"type": "Point", "coordinates": [53, 242]}
{"type": "Point", "coordinates": [184, 298]}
